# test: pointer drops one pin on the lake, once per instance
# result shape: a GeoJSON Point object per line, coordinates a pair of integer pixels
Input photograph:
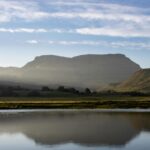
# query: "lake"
{"type": "Point", "coordinates": [75, 130]}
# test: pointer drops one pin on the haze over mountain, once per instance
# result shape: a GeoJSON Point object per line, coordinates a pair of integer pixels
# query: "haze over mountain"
{"type": "Point", "coordinates": [139, 81]}
{"type": "Point", "coordinates": [93, 71]}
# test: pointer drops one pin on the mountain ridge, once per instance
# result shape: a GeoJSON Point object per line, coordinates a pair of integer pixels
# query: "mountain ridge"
{"type": "Point", "coordinates": [81, 71]}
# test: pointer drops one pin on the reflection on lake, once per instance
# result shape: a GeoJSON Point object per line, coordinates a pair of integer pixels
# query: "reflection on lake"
{"type": "Point", "coordinates": [74, 130]}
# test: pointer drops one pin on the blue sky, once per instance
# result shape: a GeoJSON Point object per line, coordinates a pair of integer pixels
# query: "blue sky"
{"type": "Point", "coordinates": [29, 28]}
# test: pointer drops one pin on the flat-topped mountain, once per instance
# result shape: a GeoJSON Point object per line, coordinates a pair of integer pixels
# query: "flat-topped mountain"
{"type": "Point", "coordinates": [93, 71]}
{"type": "Point", "coordinates": [139, 81]}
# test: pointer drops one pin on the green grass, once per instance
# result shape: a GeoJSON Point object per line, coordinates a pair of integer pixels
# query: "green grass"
{"type": "Point", "coordinates": [107, 102]}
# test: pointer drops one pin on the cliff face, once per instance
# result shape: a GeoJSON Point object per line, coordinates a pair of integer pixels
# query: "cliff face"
{"type": "Point", "coordinates": [93, 71]}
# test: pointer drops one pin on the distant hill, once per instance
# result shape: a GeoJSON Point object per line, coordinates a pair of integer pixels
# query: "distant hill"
{"type": "Point", "coordinates": [139, 81]}
{"type": "Point", "coordinates": [92, 71]}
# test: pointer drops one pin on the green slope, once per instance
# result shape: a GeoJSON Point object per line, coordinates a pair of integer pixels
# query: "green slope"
{"type": "Point", "coordinates": [139, 81]}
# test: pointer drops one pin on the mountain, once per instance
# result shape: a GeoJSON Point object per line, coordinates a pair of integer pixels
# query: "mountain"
{"type": "Point", "coordinates": [93, 71]}
{"type": "Point", "coordinates": [139, 81]}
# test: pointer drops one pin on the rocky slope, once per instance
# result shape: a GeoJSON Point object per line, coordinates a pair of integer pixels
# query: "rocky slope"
{"type": "Point", "coordinates": [139, 81]}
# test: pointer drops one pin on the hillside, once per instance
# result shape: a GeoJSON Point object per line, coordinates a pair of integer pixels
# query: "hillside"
{"type": "Point", "coordinates": [93, 71]}
{"type": "Point", "coordinates": [139, 81]}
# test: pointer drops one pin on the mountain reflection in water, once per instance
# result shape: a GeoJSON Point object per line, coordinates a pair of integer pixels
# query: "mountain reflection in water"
{"type": "Point", "coordinates": [72, 128]}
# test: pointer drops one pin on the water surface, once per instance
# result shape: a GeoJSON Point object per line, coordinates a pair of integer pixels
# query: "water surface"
{"type": "Point", "coordinates": [74, 130]}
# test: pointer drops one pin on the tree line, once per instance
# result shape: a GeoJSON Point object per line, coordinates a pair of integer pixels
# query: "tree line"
{"type": "Point", "coordinates": [16, 91]}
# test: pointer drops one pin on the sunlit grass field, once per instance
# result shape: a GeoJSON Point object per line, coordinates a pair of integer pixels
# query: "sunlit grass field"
{"type": "Point", "coordinates": [75, 102]}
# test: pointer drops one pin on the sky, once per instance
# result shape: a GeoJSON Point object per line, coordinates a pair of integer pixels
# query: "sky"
{"type": "Point", "coordinates": [30, 28]}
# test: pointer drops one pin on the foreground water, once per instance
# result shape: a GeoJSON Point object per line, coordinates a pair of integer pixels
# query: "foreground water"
{"type": "Point", "coordinates": [74, 130]}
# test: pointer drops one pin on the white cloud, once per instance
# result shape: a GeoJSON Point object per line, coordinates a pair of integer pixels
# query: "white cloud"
{"type": "Point", "coordinates": [31, 10]}
{"type": "Point", "coordinates": [100, 11]}
{"type": "Point", "coordinates": [121, 31]}
{"type": "Point", "coordinates": [26, 10]}
{"type": "Point", "coordinates": [22, 30]}
{"type": "Point", "coordinates": [102, 16]}
{"type": "Point", "coordinates": [32, 42]}
{"type": "Point", "coordinates": [108, 19]}
{"type": "Point", "coordinates": [76, 42]}
{"type": "Point", "coordinates": [97, 5]}
{"type": "Point", "coordinates": [31, 30]}
{"type": "Point", "coordinates": [116, 44]}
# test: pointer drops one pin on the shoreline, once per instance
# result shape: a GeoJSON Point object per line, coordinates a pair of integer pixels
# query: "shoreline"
{"type": "Point", "coordinates": [118, 110]}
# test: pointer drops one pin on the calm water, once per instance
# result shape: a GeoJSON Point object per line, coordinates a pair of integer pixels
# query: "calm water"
{"type": "Point", "coordinates": [74, 130]}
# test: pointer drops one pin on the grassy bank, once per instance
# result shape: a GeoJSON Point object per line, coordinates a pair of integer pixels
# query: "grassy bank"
{"type": "Point", "coordinates": [107, 102]}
